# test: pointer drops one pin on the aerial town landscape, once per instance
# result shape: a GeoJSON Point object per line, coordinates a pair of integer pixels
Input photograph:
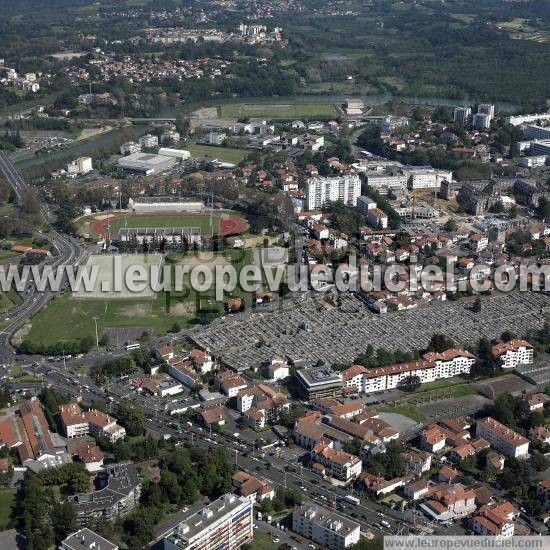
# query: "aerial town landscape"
{"type": "Point", "coordinates": [274, 275]}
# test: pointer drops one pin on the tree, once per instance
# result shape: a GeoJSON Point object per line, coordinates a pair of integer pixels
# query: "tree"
{"type": "Point", "coordinates": [29, 202]}
{"type": "Point", "coordinates": [451, 225]}
{"type": "Point", "coordinates": [440, 343]}
{"type": "Point", "coordinates": [389, 464]}
{"type": "Point", "coordinates": [410, 383]}
{"type": "Point", "coordinates": [131, 417]}
{"type": "Point", "coordinates": [476, 308]}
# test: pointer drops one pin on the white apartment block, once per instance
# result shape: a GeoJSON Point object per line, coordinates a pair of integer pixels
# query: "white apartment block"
{"type": "Point", "coordinates": [325, 527]}
{"type": "Point", "coordinates": [482, 121]}
{"type": "Point", "coordinates": [129, 148]}
{"type": "Point", "coordinates": [513, 353]}
{"type": "Point", "coordinates": [377, 218]}
{"type": "Point", "coordinates": [339, 464]}
{"type": "Point", "coordinates": [434, 367]}
{"type": "Point", "coordinates": [364, 204]}
{"type": "Point", "coordinates": [525, 119]}
{"type": "Point", "coordinates": [148, 141]}
{"type": "Point", "coordinates": [427, 177]}
{"type": "Point", "coordinates": [461, 115]}
{"type": "Point", "coordinates": [502, 438]}
{"type": "Point", "coordinates": [82, 165]}
{"type": "Point", "coordinates": [321, 191]}
{"type": "Point", "coordinates": [536, 132]}
{"type": "Point", "coordinates": [486, 109]}
{"type": "Point", "coordinates": [225, 523]}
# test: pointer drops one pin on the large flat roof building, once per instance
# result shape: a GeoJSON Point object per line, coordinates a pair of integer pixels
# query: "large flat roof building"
{"type": "Point", "coordinates": [325, 527]}
{"type": "Point", "coordinates": [85, 539]}
{"type": "Point", "coordinates": [146, 163]}
{"type": "Point", "coordinates": [119, 495]}
{"type": "Point", "coordinates": [320, 382]}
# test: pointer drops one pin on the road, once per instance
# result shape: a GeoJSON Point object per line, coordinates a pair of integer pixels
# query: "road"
{"type": "Point", "coordinates": [68, 254]}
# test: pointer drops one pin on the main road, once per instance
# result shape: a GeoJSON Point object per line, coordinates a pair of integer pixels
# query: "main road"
{"type": "Point", "coordinates": [68, 254]}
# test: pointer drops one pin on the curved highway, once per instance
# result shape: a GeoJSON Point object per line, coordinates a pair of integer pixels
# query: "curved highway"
{"type": "Point", "coordinates": [68, 253]}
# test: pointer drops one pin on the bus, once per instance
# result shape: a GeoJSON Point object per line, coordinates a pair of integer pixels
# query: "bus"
{"type": "Point", "coordinates": [352, 500]}
{"type": "Point", "coordinates": [129, 347]}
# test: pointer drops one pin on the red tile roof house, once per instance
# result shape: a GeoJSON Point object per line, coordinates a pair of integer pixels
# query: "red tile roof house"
{"type": "Point", "coordinates": [213, 416]}
{"type": "Point", "coordinates": [433, 438]}
{"type": "Point", "coordinates": [252, 488]}
{"type": "Point", "coordinates": [379, 486]}
{"type": "Point", "coordinates": [417, 489]}
{"type": "Point", "coordinates": [495, 520]}
{"type": "Point", "coordinates": [339, 464]}
{"type": "Point", "coordinates": [452, 502]}
{"type": "Point", "coordinates": [418, 461]}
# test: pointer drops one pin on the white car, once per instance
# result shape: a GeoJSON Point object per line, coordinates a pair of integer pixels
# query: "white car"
{"type": "Point", "coordinates": [276, 539]}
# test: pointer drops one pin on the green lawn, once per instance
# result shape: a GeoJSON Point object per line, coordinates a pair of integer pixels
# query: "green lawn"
{"type": "Point", "coordinates": [224, 154]}
{"type": "Point", "coordinates": [405, 410]}
{"type": "Point", "coordinates": [7, 497]}
{"type": "Point", "coordinates": [180, 220]}
{"type": "Point", "coordinates": [8, 300]}
{"type": "Point", "coordinates": [284, 109]}
{"type": "Point", "coordinates": [262, 541]}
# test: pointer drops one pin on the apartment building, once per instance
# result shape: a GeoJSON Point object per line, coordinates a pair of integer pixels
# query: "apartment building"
{"type": "Point", "coordinates": [119, 495]}
{"type": "Point", "coordinates": [377, 218]}
{"type": "Point", "coordinates": [321, 191]}
{"type": "Point", "coordinates": [338, 464]}
{"type": "Point", "coordinates": [325, 527]}
{"type": "Point", "coordinates": [434, 366]}
{"type": "Point", "coordinates": [149, 141]}
{"type": "Point", "coordinates": [320, 382]}
{"type": "Point", "coordinates": [230, 383]}
{"type": "Point", "coordinates": [261, 404]}
{"type": "Point", "coordinates": [536, 132]}
{"type": "Point", "coordinates": [514, 353]}
{"type": "Point", "coordinates": [129, 148]}
{"type": "Point", "coordinates": [85, 539]}
{"type": "Point", "coordinates": [495, 520]}
{"type": "Point", "coordinates": [502, 438]}
{"type": "Point", "coordinates": [225, 523]}
{"type": "Point", "coordinates": [76, 423]}
{"type": "Point", "coordinates": [462, 115]}
{"type": "Point", "coordinates": [450, 502]}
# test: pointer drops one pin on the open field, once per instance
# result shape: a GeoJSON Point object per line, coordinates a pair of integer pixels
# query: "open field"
{"type": "Point", "coordinates": [406, 410]}
{"type": "Point", "coordinates": [68, 319]}
{"type": "Point", "coordinates": [224, 154]}
{"type": "Point", "coordinates": [279, 110]}
{"type": "Point", "coordinates": [106, 265]}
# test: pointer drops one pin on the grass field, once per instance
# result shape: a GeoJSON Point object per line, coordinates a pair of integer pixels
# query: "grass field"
{"type": "Point", "coordinates": [405, 410]}
{"type": "Point", "coordinates": [180, 220]}
{"type": "Point", "coordinates": [262, 541]}
{"type": "Point", "coordinates": [225, 154]}
{"type": "Point", "coordinates": [278, 110]}
{"type": "Point", "coordinates": [8, 300]}
{"type": "Point", "coordinates": [68, 319]}
{"type": "Point", "coordinates": [7, 497]}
